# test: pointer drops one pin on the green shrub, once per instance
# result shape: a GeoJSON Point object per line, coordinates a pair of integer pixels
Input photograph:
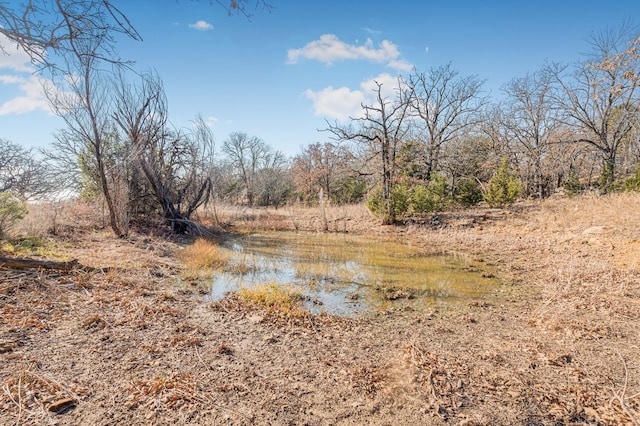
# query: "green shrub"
{"type": "Point", "coordinates": [439, 191]}
{"type": "Point", "coordinates": [375, 203]}
{"type": "Point", "coordinates": [632, 183]}
{"type": "Point", "coordinates": [468, 192]}
{"type": "Point", "coordinates": [408, 198]}
{"type": "Point", "coordinates": [399, 200]}
{"type": "Point", "coordinates": [350, 191]}
{"type": "Point", "coordinates": [504, 188]}
{"type": "Point", "coordinates": [605, 182]}
{"type": "Point", "coordinates": [12, 210]}
{"type": "Point", "coordinates": [429, 198]}
{"type": "Point", "coordinates": [572, 185]}
{"type": "Point", "coordinates": [421, 200]}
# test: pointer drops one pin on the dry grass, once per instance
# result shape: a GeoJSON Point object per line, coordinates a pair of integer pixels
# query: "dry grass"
{"type": "Point", "coordinates": [31, 394]}
{"type": "Point", "coordinates": [60, 218]}
{"type": "Point", "coordinates": [556, 344]}
{"type": "Point", "coordinates": [351, 218]}
{"type": "Point", "coordinates": [164, 392]}
{"type": "Point", "coordinates": [274, 297]}
{"type": "Point", "coordinates": [556, 389]}
{"type": "Point", "coordinates": [203, 255]}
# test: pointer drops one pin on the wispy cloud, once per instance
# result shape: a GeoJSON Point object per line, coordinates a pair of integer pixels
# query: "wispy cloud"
{"type": "Point", "coordinates": [342, 103]}
{"type": "Point", "coordinates": [372, 31]}
{"type": "Point", "coordinates": [212, 121]}
{"type": "Point", "coordinates": [329, 49]}
{"type": "Point", "coordinates": [17, 72]}
{"type": "Point", "coordinates": [31, 99]}
{"type": "Point", "coordinates": [14, 57]}
{"type": "Point", "coordinates": [201, 26]}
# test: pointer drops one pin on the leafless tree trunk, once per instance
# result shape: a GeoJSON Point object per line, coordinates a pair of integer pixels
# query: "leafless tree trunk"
{"type": "Point", "coordinates": [530, 126]}
{"type": "Point", "coordinates": [446, 103]}
{"type": "Point", "coordinates": [599, 97]}
{"type": "Point", "coordinates": [382, 128]}
{"type": "Point", "coordinates": [247, 154]}
{"type": "Point", "coordinates": [83, 102]}
{"type": "Point", "coordinates": [175, 165]}
{"type": "Point", "coordinates": [325, 224]}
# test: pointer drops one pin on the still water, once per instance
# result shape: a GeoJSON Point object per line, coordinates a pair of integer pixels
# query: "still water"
{"type": "Point", "coordinates": [348, 275]}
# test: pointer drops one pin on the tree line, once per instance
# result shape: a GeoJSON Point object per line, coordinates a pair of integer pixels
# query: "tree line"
{"type": "Point", "coordinates": [432, 141]}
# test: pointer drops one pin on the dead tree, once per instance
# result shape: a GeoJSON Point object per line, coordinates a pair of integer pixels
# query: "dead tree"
{"type": "Point", "coordinates": [176, 164]}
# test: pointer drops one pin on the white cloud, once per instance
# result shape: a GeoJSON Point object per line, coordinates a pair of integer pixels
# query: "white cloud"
{"type": "Point", "coordinates": [342, 103]}
{"type": "Point", "coordinates": [389, 85]}
{"type": "Point", "coordinates": [201, 26]}
{"type": "Point", "coordinates": [19, 73]}
{"type": "Point", "coordinates": [329, 49]}
{"type": "Point", "coordinates": [13, 57]}
{"type": "Point", "coordinates": [400, 65]}
{"type": "Point", "coordinates": [32, 99]}
{"type": "Point", "coordinates": [339, 104]}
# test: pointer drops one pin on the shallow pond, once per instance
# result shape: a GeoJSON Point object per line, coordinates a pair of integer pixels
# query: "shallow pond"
{"type": "Point", "coordinates": [348, 275]}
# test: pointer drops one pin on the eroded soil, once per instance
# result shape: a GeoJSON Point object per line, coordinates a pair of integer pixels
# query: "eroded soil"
{"type": "Point", "coordinates": [558, 342]}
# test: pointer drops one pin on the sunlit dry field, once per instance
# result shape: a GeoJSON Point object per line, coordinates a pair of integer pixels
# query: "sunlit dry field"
{"type": "Point", "coordinates": [134, 341]}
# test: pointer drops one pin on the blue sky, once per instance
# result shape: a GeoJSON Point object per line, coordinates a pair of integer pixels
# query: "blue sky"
{"type": "Point", "coordinates": [280, 75]}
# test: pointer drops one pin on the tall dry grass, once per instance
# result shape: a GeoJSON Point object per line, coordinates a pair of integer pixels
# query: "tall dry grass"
{"type": "Point", "coordinates": [60, 218]}
{"type": "Point", "coordinates": [203, 256]}
{"type": "Point", "coordinates": [349, 218]}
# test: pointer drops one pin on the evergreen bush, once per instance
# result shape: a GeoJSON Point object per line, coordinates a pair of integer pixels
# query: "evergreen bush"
{"type": "Point", "coordinates": [504, 188]}
{"type": "Point", "coordinates": [12, 209]}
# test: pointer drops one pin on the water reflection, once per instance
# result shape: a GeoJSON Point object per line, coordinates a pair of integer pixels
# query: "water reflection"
{"type": "Point", "coordinates": [348, 275]}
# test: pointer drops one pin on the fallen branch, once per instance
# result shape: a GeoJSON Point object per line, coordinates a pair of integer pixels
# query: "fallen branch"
{"type": "Point", "coordinates": [621, 396]}
{"type": "Point", "coordinates": [22, 263]}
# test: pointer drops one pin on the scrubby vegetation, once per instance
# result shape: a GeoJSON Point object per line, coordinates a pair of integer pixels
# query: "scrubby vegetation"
{"type": "Point", "coordinates": [120, 332]}
{"type": "Point", "coordinates": [12, 210]}
{"type": "Point", "coordinates": [554, 343]}
{"type": "Point", "coordinates": [409, 164]}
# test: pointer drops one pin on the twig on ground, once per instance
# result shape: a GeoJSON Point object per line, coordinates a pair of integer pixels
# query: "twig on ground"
{"type": "Point", "coordinates": [620, 396]}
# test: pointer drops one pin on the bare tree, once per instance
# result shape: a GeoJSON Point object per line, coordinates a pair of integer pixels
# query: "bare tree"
{"type": "Point", "coordinates": [20, 172]}
{"type": "Point", "coordinates": [174, 164]}
{"type": "Point", "coordinates": [76, 41]}
{"type": "Point", "coordinates": [531, 125]}
{"type": "Point", "coordinates": [42, 27]}
{"type": "Point", "coordinates": [273, 181]}
{"type": "Point", "coordinates": [382, 128]}
{"type": "Point", "coordinates": [468, 162]}
{"type": "Point", "coordinates": [446, 103]}
{"type": "Point", "coordinates": [323, 165]}
{"type": "Point", "coordinates": [247, 155]}
{"type": "Point", "coordinates": [177, 168]}
{"type": "Point", "coordinates": [600, 96]}
{"type": "Point", "coordinates": [141, 113]}
{"type": "Point", "coordinates": [84, 102]}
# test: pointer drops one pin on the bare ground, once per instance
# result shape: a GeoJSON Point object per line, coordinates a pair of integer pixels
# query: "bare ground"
{"type": "Point", "coordinates": [558, 342]}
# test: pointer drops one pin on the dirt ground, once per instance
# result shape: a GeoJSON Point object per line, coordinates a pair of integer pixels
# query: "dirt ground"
{"type": "Point", "coordinates": [557, 342]}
